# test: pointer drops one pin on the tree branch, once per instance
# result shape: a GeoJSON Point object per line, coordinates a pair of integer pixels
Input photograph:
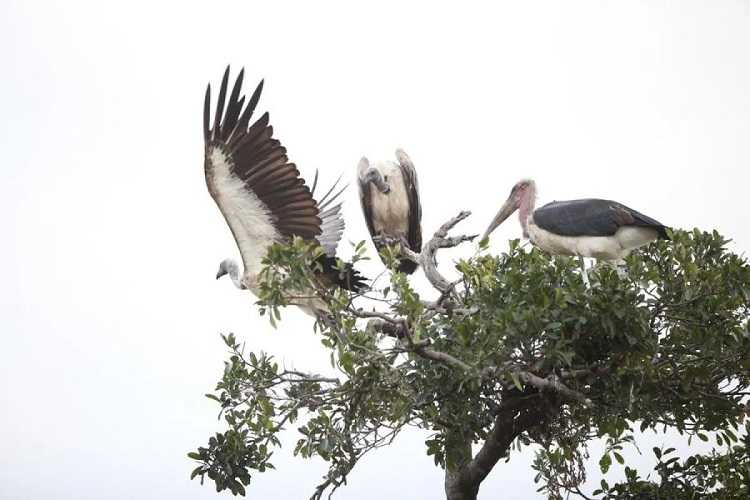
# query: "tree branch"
{"type": "Point", "coordinates": [385, 327]}
{"type": "Point", "coordinates": [443, 358]}
{"type": "Point", "coordinates": [510, 423]}
{"type": "Point", "coordinates": [426, 258]}
{"type": "Point", "coordinates": [552, 383]}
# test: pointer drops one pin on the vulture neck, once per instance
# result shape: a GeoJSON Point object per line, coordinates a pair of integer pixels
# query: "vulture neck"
{"type": "Point", "coordinates": [233, 270]}
{"type": "Point", "coordinates": [374, 176]}
{"type": "Point", "coordinates": [526, 208]}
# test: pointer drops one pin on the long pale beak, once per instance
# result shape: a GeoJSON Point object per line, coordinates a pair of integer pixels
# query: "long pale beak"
{"type": "Point", "coordinates": [506, 211]}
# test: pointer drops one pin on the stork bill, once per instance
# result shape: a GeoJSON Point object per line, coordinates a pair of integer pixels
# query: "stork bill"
{"type": "Point", "coordinates": [601, 229]}
{"type": "Point", "coordinates": [261, 194]}
{"type": "Point", "coordinates": [389, 195]}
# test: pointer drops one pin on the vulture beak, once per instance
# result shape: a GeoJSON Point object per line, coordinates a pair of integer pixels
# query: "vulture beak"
{"type": "Point", "coordinates": [374, 176]}
{"type": "Point", "coordinates": [220, 273]}
{"type": "Point", "coordinates": [506, 211]}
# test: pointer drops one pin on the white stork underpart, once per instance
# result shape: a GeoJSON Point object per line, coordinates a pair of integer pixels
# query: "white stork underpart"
{"type": "Point", "coordinates": [389, 194]}
{"type": "Point", "coordinates": [261, 194]}
{"type": "Point", "coordinates": [602, 229]}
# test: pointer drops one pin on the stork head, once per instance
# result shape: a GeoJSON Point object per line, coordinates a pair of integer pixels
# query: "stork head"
{"type": "Point", "coordinates": [521, 198]}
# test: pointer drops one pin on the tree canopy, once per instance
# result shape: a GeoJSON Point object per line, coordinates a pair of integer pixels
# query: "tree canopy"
{"type": "Point", "coordinates": [516, 352]}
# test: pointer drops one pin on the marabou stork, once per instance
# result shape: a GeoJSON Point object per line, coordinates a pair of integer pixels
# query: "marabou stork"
{"type": "Point", "coordinates": [602, 229]}
{"type": "Point", "coordinates": [390, 202]}
{"type": "Point", "coordinates": [261, 194]}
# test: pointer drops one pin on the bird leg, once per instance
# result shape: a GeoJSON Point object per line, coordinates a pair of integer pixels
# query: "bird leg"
{"type": "Point", "coordinates": [621, 268]}
{"type": "Point", "coordinates": [618, 265]}
{"type": "Point", "coordinates": [584, 273]}
{"type": "Point", "coordinates": [390, 241]}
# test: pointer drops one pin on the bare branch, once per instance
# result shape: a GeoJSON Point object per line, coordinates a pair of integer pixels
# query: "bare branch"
{"type": "Point", "coordinates": [443, 358]}
{"type": "Point", "coordinates": [552, 383]}
{"type": "Point", "coordinates": [361, 313]}
{"type": "Point", "coordinates": [306, 377]}
{"type": "Point", "coordinates": [441, 240]}
{"type": "Point", "coordinates": [386, 327]}
{"type": "Point", "coordinates": [447, 306]}
{"type": "Point", "coordinates": [584, 372]}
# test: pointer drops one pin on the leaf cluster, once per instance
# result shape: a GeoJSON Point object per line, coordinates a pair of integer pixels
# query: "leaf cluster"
{"type": "Point", "coordinates": [664, 344]}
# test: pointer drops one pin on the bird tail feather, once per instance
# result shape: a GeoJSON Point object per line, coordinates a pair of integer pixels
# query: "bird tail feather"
{"type": "Point", "coordinates": [347, 277]}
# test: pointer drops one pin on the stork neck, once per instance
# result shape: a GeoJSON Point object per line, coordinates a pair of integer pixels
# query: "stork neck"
{"type": "Point", "coordinates": [526, 208]}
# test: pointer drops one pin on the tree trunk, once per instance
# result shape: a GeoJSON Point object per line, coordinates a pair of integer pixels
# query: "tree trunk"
{"type": "Point", "coordinates": [457, 488]}
{"type": "Point", "coordinates": [462, 481]}
{"type": "Point", "coordinates": [457, 483]}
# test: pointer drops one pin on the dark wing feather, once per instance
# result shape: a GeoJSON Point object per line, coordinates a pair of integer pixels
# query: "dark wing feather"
{"type": "Point", "coordinates": [409, 173]}
{"type": "Point", "coordinates": [259, 161]}
{"type": "Point", "coordinates": [591, 217]}
{"type": "Point", "coordinates": [346, 277]}
{"type": "Point", "coordinates": [365, 196]}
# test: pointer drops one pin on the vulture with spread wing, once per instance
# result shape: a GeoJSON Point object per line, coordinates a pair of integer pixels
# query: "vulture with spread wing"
{"type": "Point", "coordinates": [261, 194]}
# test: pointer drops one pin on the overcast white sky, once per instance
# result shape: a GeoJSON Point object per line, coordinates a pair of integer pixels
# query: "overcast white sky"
{"type": "Point", "coordinates": [109, 309]}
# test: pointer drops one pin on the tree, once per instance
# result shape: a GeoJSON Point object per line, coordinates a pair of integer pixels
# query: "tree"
{"type": "Point", "coordinates": [516, 352]}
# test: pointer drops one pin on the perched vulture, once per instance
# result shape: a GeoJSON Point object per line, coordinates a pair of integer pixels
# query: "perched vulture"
{"type": "Point", "coordinates": [390, 202]}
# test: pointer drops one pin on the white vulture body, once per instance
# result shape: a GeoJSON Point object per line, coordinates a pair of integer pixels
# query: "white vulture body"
{"type": "Point", "coordinates": [261, 194]}
{"type": "Point", "coordinates": [390, 211]}
{"type": "Point", "coordinates": [389, 195]}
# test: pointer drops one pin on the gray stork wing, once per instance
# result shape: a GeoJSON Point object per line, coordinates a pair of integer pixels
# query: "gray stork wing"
{"type": "Point", "coordinates": [259, 192]}
{"type": "Point", "coordinates": [591, 217]}
{"type": "Point", "coordinates": [333, 225]}
{"type": "Point", "coordinates": [409, 173]}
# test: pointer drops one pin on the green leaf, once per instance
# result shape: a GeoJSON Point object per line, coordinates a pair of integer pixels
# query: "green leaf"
{"type": "Point", "coordinates": [604, 463]}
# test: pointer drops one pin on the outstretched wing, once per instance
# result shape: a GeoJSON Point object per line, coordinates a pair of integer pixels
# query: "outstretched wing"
{"type": "Point", "coordinates": [409, 174]}
{"type": "Point", "coordinates": [332, 225]}
{"type": "Point", "coordinates": [259, 192]}
{"type": "Point", "coordinates": [591, 217]}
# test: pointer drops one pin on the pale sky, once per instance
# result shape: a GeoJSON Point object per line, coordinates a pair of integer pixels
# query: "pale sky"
{"type": "Point", "coordinates": [109, 308]}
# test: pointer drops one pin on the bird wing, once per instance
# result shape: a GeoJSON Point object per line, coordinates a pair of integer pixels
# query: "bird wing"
{"type": "Point", "coordinates": [259, 192]}
{"type": "Point", "coordinates": [365, 196]}
{"type": "Point", "coordinates": [332, 225]}
{"type": "Point", "coordinates": [591, 217]}
{"type": "Point", "coordinates": [409, 174]}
